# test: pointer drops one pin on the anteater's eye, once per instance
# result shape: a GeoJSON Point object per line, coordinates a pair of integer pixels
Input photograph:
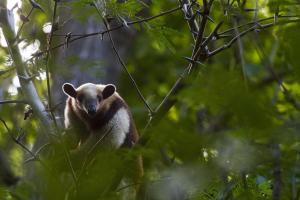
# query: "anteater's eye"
{"type": "Point", "coordinates": [99, 97]}
{"type": "Point", "coordinates": [79, 98]}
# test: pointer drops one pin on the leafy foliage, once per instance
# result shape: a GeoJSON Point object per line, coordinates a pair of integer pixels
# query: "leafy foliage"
{"type": "Point", "coordinates": [233, 133]}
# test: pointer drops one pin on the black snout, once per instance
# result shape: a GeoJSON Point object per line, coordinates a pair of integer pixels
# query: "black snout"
{"type": "Point", "coordinates": [91, 109]}
{"type": "Point", "coordinates": [92, 112]}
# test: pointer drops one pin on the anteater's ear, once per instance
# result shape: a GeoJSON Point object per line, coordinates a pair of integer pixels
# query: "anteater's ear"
{"type": "Point", "coordinates": [69, 89]}
{"type": "Point", "coordinates": [108, 90]}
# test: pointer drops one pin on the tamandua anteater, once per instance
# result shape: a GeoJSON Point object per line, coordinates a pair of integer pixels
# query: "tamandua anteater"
{"type": "Point", "coordinates": [98, 111]}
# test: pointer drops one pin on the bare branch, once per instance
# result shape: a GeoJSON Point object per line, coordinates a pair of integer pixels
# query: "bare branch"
{"type": "Point", "coordinates": [256, 22]}
{"type": "Point", "coordinates": [205, 14]}
{"type": "Point", "coordinates": [190, 16]}
{"type": "Point", "coordinates": [88, 149]}
{"type": "Point", "coordinates": [14, 101]}
{"type": "Point", "coordinates": [18, 142]}
{"type": "Point", "coordinates": [68, 158]}
{"type": "Point", "coordinates": [128, 186]}
{"type": "Point", "coordinates": [287, 94]}
{"type": "Point", "coordinates": [81, 36]}
{"type": "Point", "coordinates": [106, 23]}
{"type": "Point", "coordinates": [41, 148]}
{"type": "Point", "coordinates": [130, 76]}
{"type": "Point", "coordinates": [171, 99]}
{"type": "Point", "coordinates": [255, 27]}
{"type": "Point", "coordinates": [47, 65]}
{"type": "Point", "coordinates": [34, 157]}
{"type": "Point", "coordinates": [24, 22]}
{"type": "Point", "coordinates": [154, 17]}
{"type": "Point", "coordinates": [213, 34]}
{"type": "Point", "coordinates": [241, 53]}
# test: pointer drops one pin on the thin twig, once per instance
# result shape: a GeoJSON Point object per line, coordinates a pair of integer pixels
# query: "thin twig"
{"type": "Point", "coordinates": [205, 14]}
{"type": "Point", "coordinates": [106, 24]}
{"type": "Point", "coordinates": [165, 104]}
{"type": "Point", "coordinates": [255, 27]}
{"type": "Point", "coordinates": [24, 22]}
{"type": "Point", "coordinates": [287, 94]}
{"type": "Point", "coordinates": [47, 65]}
{"type": "Point", "coordinates": [54, 107]}
{"type": "Point", "coordinates": [190, 16]}
{"type": "Point", "coordinates": [66, 152]}
{"type": "Point", "coordinates": [241, 53]}
{"type": "Point", "coordinates": [199, 38]}
{"type": "Point", "coordinates": [42, 148]}
{"type": "Point", "coordinates": [213, 34]}
{"type": "Point", "coordinates": [198, 49]}
{"type": "Point", "coordinates": [155, 16]}
{"type": "Point", "coordinates": [128, 186]}
{"type": "Point", "coordinates": [130, 76]}
{"type": "Point", "coordinates": [255, 22]}
{"type": "Point", "coordinates": [89, 152]}
{"type": "Point", "coordinates": [99, 141]}
{"type": "Point", "coordinates": [34, 155]}
{"type": "Point", "coordinates": [173, 90]}
{"type": "Point", "coordinates": [81, 36]}
{"type": "Point", "coordinates": [14, 101]}
{"type": "Point", "coordinates": [68, 158]}
{"type": "Point", "coordinates": [169, 100]}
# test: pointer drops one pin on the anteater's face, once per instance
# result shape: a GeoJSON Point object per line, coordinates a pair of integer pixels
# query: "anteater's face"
{"type": "Point", "coordinates": [89, 97]}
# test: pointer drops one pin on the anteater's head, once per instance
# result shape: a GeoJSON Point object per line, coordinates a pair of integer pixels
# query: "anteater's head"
{"type": "Point", "coordinates": [89, 97]}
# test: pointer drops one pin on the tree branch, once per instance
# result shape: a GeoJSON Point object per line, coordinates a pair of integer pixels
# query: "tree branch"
{"type": "Point", "coordinates": [170, 99]}
{"type": "Point", "coordinates": [255, 22]}
{"type": "Point", "coordinates": [190, 16]}
{"type": "Point", "coordinates": [47, 64]}
{"type": "Point", "coordinates": [205, 15]}
{"type": "Point", "coordinates": [107, 26]}
{"type": "Point", "coordinates": [24, 22]}
{"type": "Point", "coordinates": [81, 36]}
{"type": "Point", "coordinates": [14, 101]}
{"type": "Point", "coordinates": [241, 34]}
{"type": "Point", "coordinates": [18, 142]}
{"type": "Point", "coordinates": [213, 34]}
{"type": "Point", "coordinates": [287, 94]}
{"type": "Point", "coordinates": [241, 53]}
{"type": "Point", "coordinates": [27, 87]}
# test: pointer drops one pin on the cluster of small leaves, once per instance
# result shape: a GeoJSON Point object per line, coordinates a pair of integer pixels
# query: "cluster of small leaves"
{"type": "Point", "coordinates": [129, 8]}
